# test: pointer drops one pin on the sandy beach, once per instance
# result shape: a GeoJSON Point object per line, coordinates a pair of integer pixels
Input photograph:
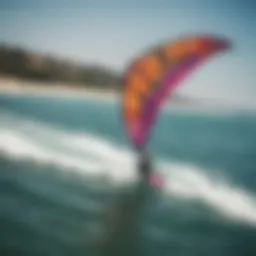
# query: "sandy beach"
{"type": "Point", "coordinates": [16, 86]}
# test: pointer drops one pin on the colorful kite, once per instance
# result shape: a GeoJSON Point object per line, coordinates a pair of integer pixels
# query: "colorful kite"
{"type": "Point", "coordinates": [154, 75]}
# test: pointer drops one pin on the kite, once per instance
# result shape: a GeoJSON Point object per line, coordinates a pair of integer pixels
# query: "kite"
{"type": "Point", "coordinates": [153, 76]}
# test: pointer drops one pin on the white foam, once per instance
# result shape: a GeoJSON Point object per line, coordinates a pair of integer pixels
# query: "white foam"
{"type": "Point", "coordinates": [17, 146]}
{"type": "Point", "coordinates": [84, 153]}
{"type": "Point", "coordinates": [192, 183]}
{"type": "Point", "coordinates": [88, 154]}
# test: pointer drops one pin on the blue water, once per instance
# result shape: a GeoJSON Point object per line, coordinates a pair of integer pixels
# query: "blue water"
{"type": "Point", "coordinates": [61, 157]}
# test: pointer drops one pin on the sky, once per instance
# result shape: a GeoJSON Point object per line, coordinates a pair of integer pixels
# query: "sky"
{"type": "Point", "coordinates": [112, 32]}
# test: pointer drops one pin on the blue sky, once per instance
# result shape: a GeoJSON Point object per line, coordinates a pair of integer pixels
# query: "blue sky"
{"type": "Point", "coordinates": [112, 32]}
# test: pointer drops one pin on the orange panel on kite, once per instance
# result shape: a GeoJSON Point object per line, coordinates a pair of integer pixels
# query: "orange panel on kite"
{"type": "Point", "coordinates": [137, 82]}
{"type": "Point", "coordinates": [151, 67]}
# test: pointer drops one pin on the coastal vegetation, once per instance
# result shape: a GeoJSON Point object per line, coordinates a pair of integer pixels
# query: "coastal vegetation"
{"type": "Point", "coordinates": [20, 63]}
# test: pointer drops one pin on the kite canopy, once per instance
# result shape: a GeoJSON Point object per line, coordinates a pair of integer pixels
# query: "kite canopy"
{"type": "Point", "coordinates": [153, 76]}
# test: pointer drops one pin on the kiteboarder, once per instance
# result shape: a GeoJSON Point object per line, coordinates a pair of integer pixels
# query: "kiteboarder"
{"type": "Point", "coordinates": [144, 165]}
{"type": "Point", "coordinates": [146, 170]}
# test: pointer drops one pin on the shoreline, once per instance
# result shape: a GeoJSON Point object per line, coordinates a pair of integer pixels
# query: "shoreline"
{"type": "Point", "coordinates": [16, 87]}
{"type": "Point", "coordinates": [13, 86]}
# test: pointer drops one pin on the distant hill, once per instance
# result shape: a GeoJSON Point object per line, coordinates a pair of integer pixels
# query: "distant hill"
{"type": "Point", "coordinates": [18, 62]}
{"type": "Point", "coordinates": [21, 63]}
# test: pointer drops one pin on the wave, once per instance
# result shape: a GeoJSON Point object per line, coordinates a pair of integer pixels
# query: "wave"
{"type": "Point", "coordinates": [88, 154]}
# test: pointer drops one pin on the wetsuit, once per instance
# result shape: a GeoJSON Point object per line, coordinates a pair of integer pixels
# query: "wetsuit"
{"type": "Point", "coordinates": [145, 166]}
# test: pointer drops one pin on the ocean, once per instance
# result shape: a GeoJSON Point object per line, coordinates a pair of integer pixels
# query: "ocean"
{"type": "Point", "coordinates": [64, 159]}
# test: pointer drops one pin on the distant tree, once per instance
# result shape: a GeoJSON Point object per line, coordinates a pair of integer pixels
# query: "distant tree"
{"type": "Point", "coordinates": [17, 62]}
